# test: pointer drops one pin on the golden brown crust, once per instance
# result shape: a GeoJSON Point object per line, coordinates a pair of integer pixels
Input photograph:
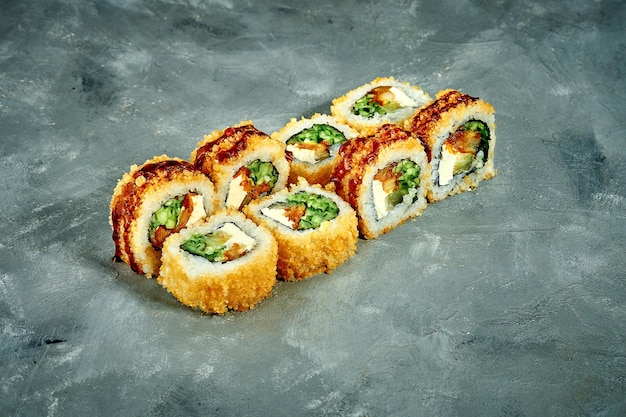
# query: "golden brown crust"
{"type": "Point", "coordinates": [223, 145]}
{"type": "Point", "coordinates": [314, 174]}
{"type": "Point", "coordinates": [437, 121]}
{"type": "Point", "coordinates": [238, 290]}
{"type": "Point", "coordinates": [218, 290]}
{"type": "Point", "coordinates": [302, 254]}
{"type": "Point", "coordinates": [127, 197]}
{"type": "Point", "coordinates": [135, 189]}
{"type": "Point", "coordinates": [424, 120]}
{"type": "Point", "coordinates": [357, 154]}
{"type": "Point", "coordinates": [318, 252]}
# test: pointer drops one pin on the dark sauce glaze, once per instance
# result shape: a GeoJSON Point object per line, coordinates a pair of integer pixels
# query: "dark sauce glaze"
{"type": "Point", "coordinates": [424, 120]}
{"type": "Point", "coordinates": [356, 154]}
{"type": "Point", "coordinates": [233, 141]}
{"type": "Point", "coordinates": [130, 198]}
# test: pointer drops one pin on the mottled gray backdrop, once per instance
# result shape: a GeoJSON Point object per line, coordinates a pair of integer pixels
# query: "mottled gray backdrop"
{"type": "Point", "coordinates": [506, 301]}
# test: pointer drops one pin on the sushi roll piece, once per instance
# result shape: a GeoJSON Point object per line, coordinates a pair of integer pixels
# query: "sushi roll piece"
{"type": "Point", "coordinates": [225, 263]}
{"type": "Point", "coordinates": [459, 133]}
{"type": "Point", "coordinates": [384, 177]}
{"type": "Point", "coordinates": [160, 197]}
{"type": "Point", "coordinates": [316, 230]}
{"type": "Point", "coordinates": [384, 100]}
{"type": "Point", "coordinates": [312, 145]}
{"type": "Point", "coordinates": [243, 163]}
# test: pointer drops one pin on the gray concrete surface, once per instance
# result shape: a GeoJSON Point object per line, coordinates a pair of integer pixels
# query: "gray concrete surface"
{"type": "Point", "coordinates": [506, 301]}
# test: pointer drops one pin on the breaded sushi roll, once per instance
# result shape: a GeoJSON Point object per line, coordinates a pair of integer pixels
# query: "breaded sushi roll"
{"type": "Point", "coordinates": [459, 133]}
{"type": "Point", "coordinates": [316, 230]}
{"type": "Point", "coordinates": [384, 100]}
{"type": "Point", "coordinates": [225, 263]}
{"type": "Point", "coordinates": [384, 178]}
{"type": "Point", "coordinates": [243, 163]}
{"type": "Point", "coordinates": [160, 197]}
{"type": "Point", "coordinates": [312, 145]}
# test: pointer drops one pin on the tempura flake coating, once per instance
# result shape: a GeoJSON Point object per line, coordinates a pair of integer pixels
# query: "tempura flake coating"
{"type": "Point", "coordinates": [215, 287]}
{"type": "Point", "coordinates": [223, 152]}
{"type": "Point", "coordinates": [436, 122]}
{"type": "Point", "coordinates": [249, 208]}
{"type": "Point", "coordinates": [302, 254]}
{"type": "Point", "coordinates": [361, 159]}
{"type": "Point", "coordinates": [342, 107]}
{"type": "Point", "coordinates": [138, 194]}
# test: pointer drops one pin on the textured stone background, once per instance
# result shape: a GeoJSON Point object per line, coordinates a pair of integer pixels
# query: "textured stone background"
{"type": "Point", "coordinates": [507, 301]}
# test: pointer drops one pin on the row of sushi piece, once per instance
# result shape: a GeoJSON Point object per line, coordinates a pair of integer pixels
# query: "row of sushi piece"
{"type": "Point", "coordinates": [249, 208]}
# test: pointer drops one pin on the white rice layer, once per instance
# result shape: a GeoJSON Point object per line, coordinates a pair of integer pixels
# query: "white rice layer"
{"type": "Point", "coordinates": [152, 199]}
{"type": "Point", "coordinates": [342, 107]}
{"type": "Point", "coordinates": [223, 184]}
{"type": "Point", "coordinates": [461, 181]}
{"type": "Point", "coordinates": [197, 267]}
{"type": "Point", "coordinates": [402, 211]}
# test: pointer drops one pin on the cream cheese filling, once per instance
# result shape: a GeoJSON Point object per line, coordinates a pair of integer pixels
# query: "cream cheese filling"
{"type": "Point", "coordinates": [198, 211]}
{"type": "Point", "coordinates": [236, 193]}
{"type": "Point", "coordinates": [304, 155]}
{"type": "Point", "coordinates": [447, 161]}
{"type": "Point", "coordinates": [237, 236]}
{"type": "Point", "coordinates": [380, 199]}
{"type": "Point", "coordinates": [401, 98]}
{"type": "Point", "coordinates": [278, 215]}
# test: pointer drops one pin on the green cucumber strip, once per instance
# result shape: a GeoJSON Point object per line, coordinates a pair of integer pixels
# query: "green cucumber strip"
{"type": "Point", "coordinates": [318, 133]}
{"type": "Point", "coordinates": [261, 172]}
{"type": "Point", "coordinates": [367, 107]}
{"type": "Point", "coordinates": [210, 246]}
{"type": "Point", "coordinates": [408, 180]}
{"type": "Point", "coordinates": [410, 177]}
{"type": "Point", "coordinates": [479, 126]}
{"type": "Point", "coordinates": [166, 215]}
{"type": "Point", "coordinates": [319, 209]}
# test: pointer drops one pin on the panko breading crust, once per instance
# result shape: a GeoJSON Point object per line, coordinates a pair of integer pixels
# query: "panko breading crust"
{"type": "Point", "coordinates": [305, 253]}
{"type": "Point", "coordinates": [435, 122]}
{"type": "Point", "coordinates": [237, 285]}
{"type": "Point", "coordinates": [415, 131]}
{"type": "Point", "coordinates": [320, 172]}
{"type": "Point", "coordinates": [361, 159]}
{"type": "Point", "coordinates": [138, 194]}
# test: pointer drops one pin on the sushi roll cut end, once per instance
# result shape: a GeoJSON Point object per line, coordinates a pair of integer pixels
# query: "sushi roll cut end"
{"type": "Point", "coordinates": [227, 263]}
{"type": "Point", "coordinates": [244, 163]}
{"type": "Point", "coordinates": [459, 132]}
{"type": "Point", "coordinates": [316, 231]}
{"type": "Point", "coordinates": [312, 145]}
{"type": "Point", "coordinates": [384, 177]}
{"type": "Point", "coordinates": [160, 197]}
{"type": "Point", "coordinates": [384, 100]}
